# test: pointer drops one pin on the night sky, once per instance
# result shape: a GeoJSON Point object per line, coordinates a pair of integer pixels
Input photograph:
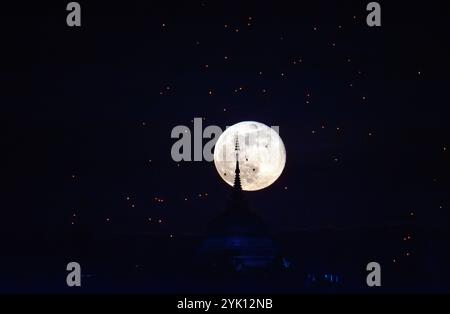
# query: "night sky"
{"type": "Point", "coordinates": [363, 113]}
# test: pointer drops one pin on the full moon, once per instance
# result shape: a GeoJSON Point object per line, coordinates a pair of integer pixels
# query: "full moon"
{"type": "Point", "coordinates": [262, 155]}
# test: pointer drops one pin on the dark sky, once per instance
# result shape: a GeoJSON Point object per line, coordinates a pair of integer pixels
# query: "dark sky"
{"type": "Point", "coordinates": [363, 112]}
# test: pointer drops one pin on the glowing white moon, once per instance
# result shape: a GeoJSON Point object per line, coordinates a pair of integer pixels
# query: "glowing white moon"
{"type": "Point", "coordinates": [262, 155]}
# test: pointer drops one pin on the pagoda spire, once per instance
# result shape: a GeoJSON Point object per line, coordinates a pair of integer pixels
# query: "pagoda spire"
{"type": "Point", "coordinates": [237, 178]}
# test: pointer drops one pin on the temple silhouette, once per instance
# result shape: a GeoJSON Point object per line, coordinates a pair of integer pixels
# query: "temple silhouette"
{"type": "Point", "coordinates": [238, 240]}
